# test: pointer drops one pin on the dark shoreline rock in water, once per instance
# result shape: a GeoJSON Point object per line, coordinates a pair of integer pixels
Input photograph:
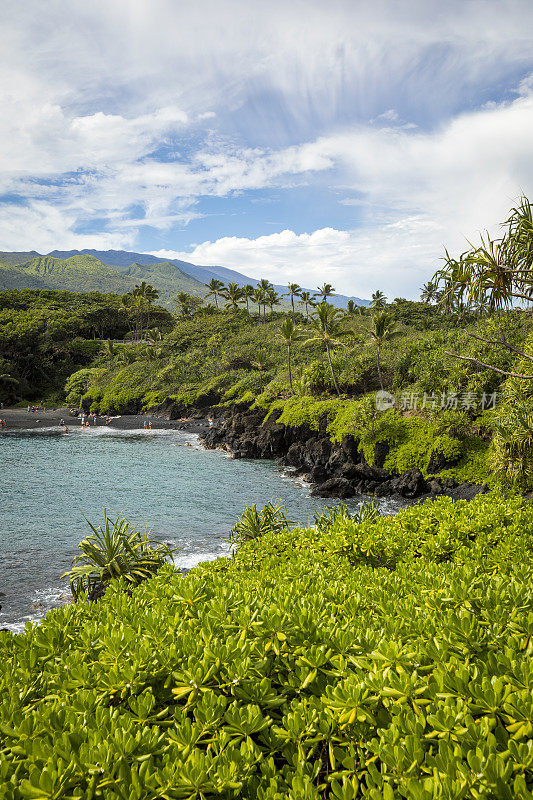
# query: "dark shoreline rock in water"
{"type": "Point", "coordinates": [333, 469]}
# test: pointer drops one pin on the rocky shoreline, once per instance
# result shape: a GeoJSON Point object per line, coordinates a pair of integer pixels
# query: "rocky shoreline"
{"type": "Point", "coordinates": [333, 469]}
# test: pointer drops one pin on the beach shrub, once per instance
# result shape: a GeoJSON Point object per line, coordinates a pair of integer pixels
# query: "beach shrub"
{"type": "Point", "coordinates": [125, 401]}
{"type": "Point", "coordinates": [115, 549]}
{"type": "Point", "coordinates": [252, 524]}
{"type": "Point", "coordinates": [367, 511]}
{"type": "Point", "coordinates": [376, 660]}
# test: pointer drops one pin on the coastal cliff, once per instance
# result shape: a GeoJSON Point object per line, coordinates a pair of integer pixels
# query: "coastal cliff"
{"type": "Point", "coordinates": [334, 469]}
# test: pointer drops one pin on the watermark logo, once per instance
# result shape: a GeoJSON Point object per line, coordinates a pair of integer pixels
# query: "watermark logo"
{"type": "Point", "coordinates": [384, 400]}
{"type": "Point", "coordinates": [441, 401]}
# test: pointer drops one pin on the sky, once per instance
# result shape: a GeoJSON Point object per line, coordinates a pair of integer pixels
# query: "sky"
{"type": "Point", "coordinates": [347, 142]}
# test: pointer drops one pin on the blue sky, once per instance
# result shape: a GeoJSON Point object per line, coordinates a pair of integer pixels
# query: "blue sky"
{"type": "Point", "coordinates": [299, 140]}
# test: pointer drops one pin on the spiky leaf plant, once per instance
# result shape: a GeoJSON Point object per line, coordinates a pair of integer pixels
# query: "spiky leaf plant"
{"type": "Point", "coordinates": [253, 524]}
{"type": "Point", "coordinates": [367, 511]}
{"type": "Point", "coordinates": [115, 549]}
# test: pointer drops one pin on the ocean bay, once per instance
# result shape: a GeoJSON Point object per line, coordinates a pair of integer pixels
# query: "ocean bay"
{"type": "Point", "coordinates": [160, 480]}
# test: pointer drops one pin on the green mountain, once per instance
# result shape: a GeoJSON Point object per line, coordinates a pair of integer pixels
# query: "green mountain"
{"type": "Point", "coordinates": [85, 273]}
{"type": "Point", "coordinates": [17, 258]}
{"type": "Point", "coordinates": [13, 278]}
{"type": "Point", "coordinates": [166, 277]}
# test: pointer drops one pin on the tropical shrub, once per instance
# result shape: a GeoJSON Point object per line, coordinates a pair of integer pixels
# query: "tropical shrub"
{"type": "Point", "coordinates": [366, 512]}
{"type": "Point", "coordinates": [78, 384]}
{"type": "Point", "coordinates": [376, 660]}
{"type": "Point", "coordinates": [114, 550]}
{"type": "Point", "coordinates": [252, 524]}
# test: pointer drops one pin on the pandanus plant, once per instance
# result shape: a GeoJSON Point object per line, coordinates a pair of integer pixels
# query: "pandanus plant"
{"type": "Point", "coordinates": [252, 524]}
{"type": "Point", "coordinates": [115, 549]}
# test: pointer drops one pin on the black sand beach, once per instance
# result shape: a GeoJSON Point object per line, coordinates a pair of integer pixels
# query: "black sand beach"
{"type": "Point", "coordinates": [21, 419]}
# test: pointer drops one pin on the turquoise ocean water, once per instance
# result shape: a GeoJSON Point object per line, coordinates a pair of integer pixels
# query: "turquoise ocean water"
{"type": "Point", "coordinates": [161, 480]}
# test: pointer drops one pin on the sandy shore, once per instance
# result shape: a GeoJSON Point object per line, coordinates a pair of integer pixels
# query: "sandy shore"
{"type": "Point", "coordinates": [20, 419]}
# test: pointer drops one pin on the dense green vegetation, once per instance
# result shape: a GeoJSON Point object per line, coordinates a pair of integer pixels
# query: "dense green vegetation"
{"type": "Point", "coordinates": [234, 357]}
{"type": "Point", "coordinates": [63, 346]}
{"type": "Point", "coordinates": [377, 659]}
{"type": "Point", "coordinates": [45, 336]}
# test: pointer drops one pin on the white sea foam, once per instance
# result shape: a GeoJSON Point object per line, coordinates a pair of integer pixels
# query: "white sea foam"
{"type": "Point", "coordinates": [188, 562]}
{"type": "Point", "coordinates": [101, 430]}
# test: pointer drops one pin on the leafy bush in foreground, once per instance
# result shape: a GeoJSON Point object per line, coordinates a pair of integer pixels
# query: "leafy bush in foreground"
{"type": "Point", "coordinates": [375, 660]}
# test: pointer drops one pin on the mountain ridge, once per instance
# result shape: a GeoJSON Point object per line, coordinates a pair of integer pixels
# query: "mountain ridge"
{"type": "Point", "coordinates": [125, 266]}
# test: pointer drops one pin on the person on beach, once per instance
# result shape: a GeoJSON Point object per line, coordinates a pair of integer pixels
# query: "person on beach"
{"type": "Point", "coordinates": [66, 429]}
{"type": "Point", "coordinates": [150, 425]}
{"type": "Point", "coordinates": [145, 424]}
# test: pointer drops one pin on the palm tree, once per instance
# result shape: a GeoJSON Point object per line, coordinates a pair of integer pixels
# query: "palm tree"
{"type": "Point", "coordinates": [248, 293]}
{"type": "Point", "coordinates": [351, 308]}
{"type": "Point", "coordinates": [428, 292]}
{"type": "Point", "coordinates": [186, 303]}
{"type": "Point", "coordinates": [305, 300]}
{"type": "Point", "coordinates": [327, 325]}
{"type": "Point", "coordinates": [272, 299]}
{"type": "Point", "coordinates": [289, 333]}
{"type": "Point", "coordinates": [378, 301]}
{"type": "Point", "coordinates": [137, 304]}
{"type": "Point", "coordinates": [325, 291]}
{"type": "Point", "coordinates": [149, 295]}
{"type": "Point", "coordinates": [216, 289]}
{"type": "Point", "coordinates": [383, 331]}
{"type": "Point", "coordinates": [261, 363]}
{"type": "Point", "coordinates": [265, 284]}
{"type": "Point", "coordinates": [258, 297]}
{"type": "Point", "coordinates": [294, 291]}
{"type": "Point", "coordinates": [233, 295]}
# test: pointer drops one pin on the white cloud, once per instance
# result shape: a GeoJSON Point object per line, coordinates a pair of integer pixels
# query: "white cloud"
{"type": "Point", "coordinates": [355, 262]}
{"type": "Point", "coordinates": [43, 227]}
{"type": "Point", "coordinates": [421, 192]}
{"type": "Point", "coordinates": [284, 94]}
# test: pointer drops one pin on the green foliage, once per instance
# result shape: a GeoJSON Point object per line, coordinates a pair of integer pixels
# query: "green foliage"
{"type": "Point", "coordinates": [375, 660]}
{"type": "Point", "coordinates": [46, 336]}
{"type": "Point", "coordinates": [253, 524]}
{"type": "Point", "coordinates": [77, 386]}
{"type": "Point", "coordinates": [298, 411]}
{"type": "Point", "coordinates": [115, 550]}
{"type": "Point", "coordinates": [223, 357]}
{"type": "Point", "coordinates": [366, 512]}
{"type": "Point", "coordinates": [474, 465]}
